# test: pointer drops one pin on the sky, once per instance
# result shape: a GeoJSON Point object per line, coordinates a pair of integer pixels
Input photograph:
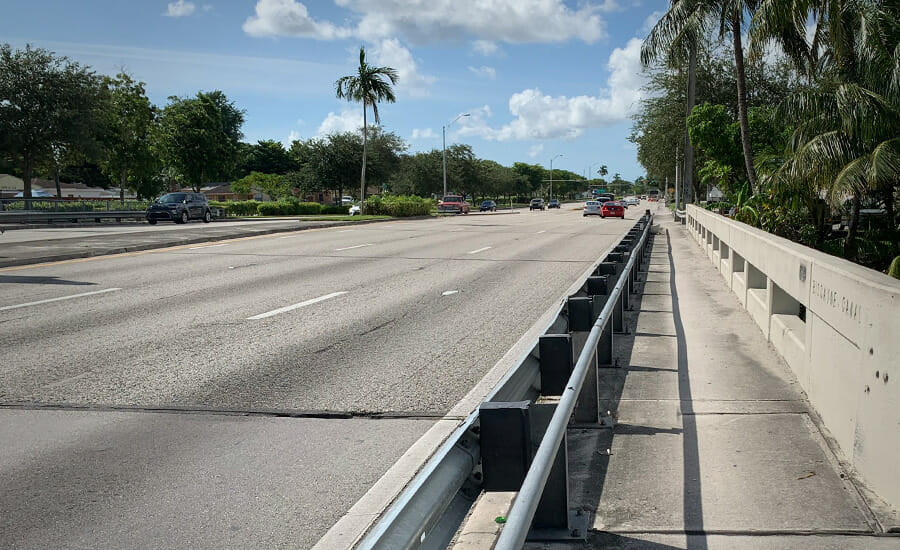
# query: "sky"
{"type": "Point", "coordinates": [538, 79]}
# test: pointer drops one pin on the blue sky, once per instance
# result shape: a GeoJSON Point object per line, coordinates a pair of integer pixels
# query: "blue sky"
{"type": "Point", "coordinates": [539, 78]}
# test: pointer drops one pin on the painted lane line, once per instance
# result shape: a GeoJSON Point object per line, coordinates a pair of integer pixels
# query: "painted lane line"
{"type": "Point", "coordinates": [481, 250]}
{"type": "Point", "coordinates": [296, 306]}
{"type": "Point", "coordinates": [5, 308]}
{"type": "Point", "coordinates": [449, 292]}
{"type": "Point", "coordinates": [539, 232]}
{"type": "Point", "coordinates": [207, 246]}
{"type": "Point", "coordinates": [352, 247]}
{"type": "Point", "coordinates": [346, 230]}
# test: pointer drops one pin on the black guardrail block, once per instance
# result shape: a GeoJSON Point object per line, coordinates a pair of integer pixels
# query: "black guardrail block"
{"type": "Point", "coordinates": [615, 257]}
{"type": "Point", "coordinates": [556, 362]}
{"type": "Point", "coordinates": [580, 314]}
{"type": "Point", "coordinates": [505, 444]}
{"type": "Point", "coordinates": [598, 284]}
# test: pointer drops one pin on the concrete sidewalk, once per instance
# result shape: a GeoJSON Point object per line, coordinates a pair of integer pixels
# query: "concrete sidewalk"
{"type": "Point", "coordinates": [715, 446]}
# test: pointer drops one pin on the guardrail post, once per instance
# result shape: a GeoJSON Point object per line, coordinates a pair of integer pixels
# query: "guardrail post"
{"type": "Point", "coordinates": [613, 266]}
{"type": "Point", "coordinates": [556, 362]}
{"type": "Point", "coordinates": [505, 438]}
{"type": "Point", "coordinates": [581, 320]}
{"type": "Point", "coordinates": [553, 520]}
{"type": "Point", "coordinates": [598, 289]}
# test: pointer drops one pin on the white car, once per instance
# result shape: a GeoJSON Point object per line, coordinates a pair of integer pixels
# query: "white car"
{"type": "Point", "coordinates": [346, 199]}
{"type": "Point", "coordinates": [632, 201]}
{"type": "Point", "coordinates": [591, 208]}
{"type": "Point", "coordinates": [354, 210]}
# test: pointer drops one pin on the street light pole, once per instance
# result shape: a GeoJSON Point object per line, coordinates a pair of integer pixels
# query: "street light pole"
{"type": "Point", "coordinates": [551, 174]}
{"type": "Point", "coordinates": [444, 140]}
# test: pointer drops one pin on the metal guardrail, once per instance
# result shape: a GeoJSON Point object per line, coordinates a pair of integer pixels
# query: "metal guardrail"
{"type": "Point", "coordinates": [518, 522]}
{"type": "Point", "coordinates": [430, 509]}
{"type": "Point", "coordinates": [36, 216]}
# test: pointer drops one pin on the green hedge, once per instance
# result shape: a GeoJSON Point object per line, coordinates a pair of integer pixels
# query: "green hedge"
{"type": "Point", "coordinates": [335, 209]}
{"type": "Point", "coordinates": [284, 207]}
{"type": "Point", "coordinates": [400, 206]}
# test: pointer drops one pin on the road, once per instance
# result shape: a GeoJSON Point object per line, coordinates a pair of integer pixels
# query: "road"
{"type": "Point", "coordinates": [246, 393]}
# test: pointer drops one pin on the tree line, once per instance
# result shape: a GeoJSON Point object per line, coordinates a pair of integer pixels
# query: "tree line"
{"type": "Point", "coordinates": [793, 141]}
{"type": "Point", "coordinates": [63, 121]}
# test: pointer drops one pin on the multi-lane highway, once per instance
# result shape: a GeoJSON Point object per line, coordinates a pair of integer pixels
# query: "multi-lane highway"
{"type": "Point", "coordinates": [246, 393]}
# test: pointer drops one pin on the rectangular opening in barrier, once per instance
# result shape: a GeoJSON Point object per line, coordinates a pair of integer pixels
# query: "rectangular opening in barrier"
{"type": "Point", "coordinates": [788, 314]}
{"type": "Point", "coordinates": [724, 250]}
{"type": "Point", "coordinates": [738, 263]}
{"type": "Point", "coordinates": [755, 278]}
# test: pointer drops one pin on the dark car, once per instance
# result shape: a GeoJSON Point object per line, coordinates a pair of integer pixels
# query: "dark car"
{"type": "Point", "coordinates": [179, 208]}
{"type": "Point", "coordinates": [612, 209]}
{"type": "Point", "coordinates": [536, 204]}
{"type": "Point", "coordinates": [488, 206]}
{"type": "Point", "coordinates": [553, 203]}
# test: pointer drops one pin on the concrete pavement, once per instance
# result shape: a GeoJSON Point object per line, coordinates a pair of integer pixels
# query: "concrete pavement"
{"type": "Point", "coordinates": [26, 246]}
{"type": "Point", "coordinates": [715, 445]}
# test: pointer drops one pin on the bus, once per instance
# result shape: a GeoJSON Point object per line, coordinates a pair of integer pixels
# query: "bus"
{"type": "Point", "coordinates": [653, 195]}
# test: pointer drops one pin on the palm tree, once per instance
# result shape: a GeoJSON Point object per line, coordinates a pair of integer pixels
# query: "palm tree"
{"type": "Point", "coordinates": [368, 86]}
{"type": "Point", "coordinates": [677, 35]}
{"type": "Point", "coordinates": [845, 142]}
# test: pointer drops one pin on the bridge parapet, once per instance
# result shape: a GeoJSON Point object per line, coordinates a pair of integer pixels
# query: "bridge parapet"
{"type": "Point", "coordinates": [835, 323]}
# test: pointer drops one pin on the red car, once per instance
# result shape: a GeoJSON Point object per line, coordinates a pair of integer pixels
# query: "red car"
{"type": "Point", "coordinates": [453, 204]}
{"type": "Point", "coordinates": [612, 209]}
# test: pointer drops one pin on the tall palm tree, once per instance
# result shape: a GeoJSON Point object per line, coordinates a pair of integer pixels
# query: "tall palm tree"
{"type": "Point", "coordinates": [368, 86]}
{"type": "Point", "coordinates": [677, 35]}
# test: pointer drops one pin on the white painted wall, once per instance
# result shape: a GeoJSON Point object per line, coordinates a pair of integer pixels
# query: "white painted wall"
{"type": "Point", "coordinates": [846, 354]}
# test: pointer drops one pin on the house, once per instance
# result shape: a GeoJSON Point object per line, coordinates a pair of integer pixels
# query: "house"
{"type": "Point", "coordinates": [10, 186]}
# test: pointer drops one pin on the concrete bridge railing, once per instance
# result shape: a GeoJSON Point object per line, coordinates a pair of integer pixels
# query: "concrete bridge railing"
{"type": "Point", "coordinates": [836, 324]}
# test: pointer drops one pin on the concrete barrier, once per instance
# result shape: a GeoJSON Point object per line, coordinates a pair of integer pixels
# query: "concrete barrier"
{"type": "Point", "coordinates": [835, 323]}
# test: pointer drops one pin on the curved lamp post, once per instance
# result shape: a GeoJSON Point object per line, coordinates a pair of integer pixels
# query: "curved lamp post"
{"type": "Point", "coordinates": [444, 139]}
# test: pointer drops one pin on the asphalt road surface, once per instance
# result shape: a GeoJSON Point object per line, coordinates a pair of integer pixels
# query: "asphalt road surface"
{"type": "Point", "coordinates": [246, 393]}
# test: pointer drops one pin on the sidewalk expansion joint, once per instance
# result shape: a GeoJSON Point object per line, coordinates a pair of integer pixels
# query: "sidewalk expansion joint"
{"type": "Point", "coordinates": [752, 533]}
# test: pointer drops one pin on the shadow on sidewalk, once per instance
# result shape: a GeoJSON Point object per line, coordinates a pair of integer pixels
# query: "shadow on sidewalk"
{"type": "Point", "coordinates": [693, 493]}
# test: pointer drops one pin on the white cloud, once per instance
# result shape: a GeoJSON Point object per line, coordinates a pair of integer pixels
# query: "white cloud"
{"type": "Point", "coordinates": [289, 18]}
{"type": "Point", "coordinates": [294, 135]}
{"type": "Point", "coordinates": [540, 116]}
{"type": "Point", "coordinates": [651, 21]}
{"type": "Point", "coordinates": [346, 121]}
{"type": "Point", "coordinates": [180, 9]}
{"type": "Point", "coordinates": [422, 21]}
{"type": "Point", "coordinates": [535, 150]}
{"type": "Point", "coordinates": [486, 72]}
{"type": "Point", "coordinates": [392, 54]}
{"type": "Point", "coordinates": [485, 47]}
{"type": "Point", "coordinates": [427, 133]}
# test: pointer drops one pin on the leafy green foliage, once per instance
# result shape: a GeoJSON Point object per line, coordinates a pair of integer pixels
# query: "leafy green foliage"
{"type": "Point", "coordinates": [50, 108]}
{"type": "Point", "coordinates": [894, 269]}
{"type": "Point", "coordinates": [199, 137]}
{"type": "Point", "coordinates": [399, 206]}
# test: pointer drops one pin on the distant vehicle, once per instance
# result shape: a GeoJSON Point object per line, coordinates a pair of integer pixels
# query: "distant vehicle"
{"type": "Point", "coordinates": [643, 197]}
{"type": "Point", "coordinates": [453, 204]}
{"type": "Point", "coordinates": [35, 193]}
{"type": "Point", "coordinates": [606, 197]}
{"type": "Point", "coordinates": [536, 204]}
{"type": "Point", "coordinates": [653, 196]}
{"type": "Point", "coordinates": [632, 201]}
{"type": "Point", "coordinates": [612, 209]}
{"type": "Point", "coordinates": [179, 208]}
{"type": "Point", "coordinates": [488, 206]}
{"type": "Point", "coordinates": [346, 199]}
{"type": "Point", "coordinates": [553, 203]}
{"type": "Point", "coordinates": [591, 208]}
{"type": "Point", "coordinates": [355, 210]}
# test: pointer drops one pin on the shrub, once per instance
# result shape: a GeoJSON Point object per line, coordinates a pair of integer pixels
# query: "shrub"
{"type": "Point", "coordinates": [242, 208]}
{"type": "Point", "coordinates": [308, 208]}
{"type": "Point", "coordinates": [399, 206]}
{"type": "Point", "coordinates": [894, 270]}
{"type": "Point", "coordinates": [335, 209]}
